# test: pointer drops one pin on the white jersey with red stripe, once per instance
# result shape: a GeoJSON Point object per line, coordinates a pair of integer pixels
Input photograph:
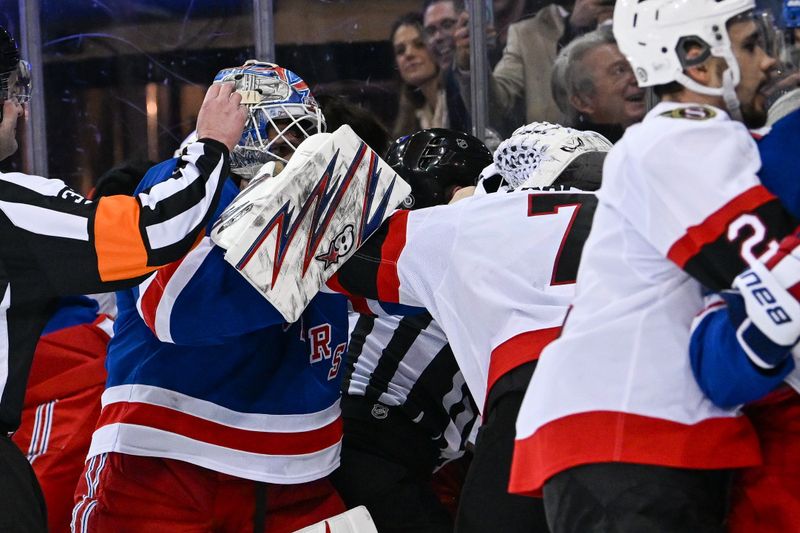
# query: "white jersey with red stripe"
{"type": "Point", "coordinates": [680, 208]}
{"type": "Point", "coordinates": [497, 273]}
{"type": "Point", "coordinates": [202, 369]}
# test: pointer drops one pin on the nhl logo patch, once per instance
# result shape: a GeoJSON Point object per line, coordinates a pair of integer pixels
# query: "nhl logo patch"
{"type": "Point", "coordinates": [380, 411]}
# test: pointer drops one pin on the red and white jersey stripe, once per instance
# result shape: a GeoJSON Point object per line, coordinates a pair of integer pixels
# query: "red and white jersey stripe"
{"type": "Point", "coordinates": [42, 427]}
{"type": "Point", "coordinates": [157, 422]}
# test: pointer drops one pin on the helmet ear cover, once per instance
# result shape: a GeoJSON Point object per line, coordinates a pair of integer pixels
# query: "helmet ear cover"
{"type": "Point", "coordinates": [655, 35]}
{"type": "Point", "coordinates": [686, 44]}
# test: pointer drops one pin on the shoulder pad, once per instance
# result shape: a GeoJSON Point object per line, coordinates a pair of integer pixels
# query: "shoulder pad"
{"type": "Point", "coordinates": [694, 112]}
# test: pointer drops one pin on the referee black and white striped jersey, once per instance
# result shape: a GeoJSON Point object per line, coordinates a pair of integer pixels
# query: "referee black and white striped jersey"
{"type": "Point", "coordinates": [406, 362]}
{"type": "Point", "coordinates": [54, 242]}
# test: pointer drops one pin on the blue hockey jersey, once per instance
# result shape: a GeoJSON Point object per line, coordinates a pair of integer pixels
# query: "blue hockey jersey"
{"type": "Point", "coordinates": [202, 369]}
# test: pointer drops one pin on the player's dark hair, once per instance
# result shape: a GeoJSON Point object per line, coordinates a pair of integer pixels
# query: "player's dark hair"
{"type": "Point", "coordinates": [122, 179]}
{"type": "Point", "coordinates": [339, 111]}
{"type": "Point", "coordinates": [459, 5]}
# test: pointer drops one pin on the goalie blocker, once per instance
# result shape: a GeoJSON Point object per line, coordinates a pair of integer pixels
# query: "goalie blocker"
{"type": "Point", "coordinates": [288, 234]}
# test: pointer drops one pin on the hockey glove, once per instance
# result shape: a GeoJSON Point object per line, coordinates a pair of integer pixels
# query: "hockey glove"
{"type": "Point", "coordinates": [769, 325]}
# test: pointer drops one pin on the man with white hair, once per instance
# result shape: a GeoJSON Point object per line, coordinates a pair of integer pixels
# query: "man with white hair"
{"type": "Point", "coordinates": [614, 425]}
{"type": "Point", "coordinates": [594, 85]}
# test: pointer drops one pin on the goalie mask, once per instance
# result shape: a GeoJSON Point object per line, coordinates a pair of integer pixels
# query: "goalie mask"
{"type": "Point", "coordinates": [281, 110]}
{"type": "Point", "coordinates": [436, 162]}
{"type": "Point", "coordinates": [541, 155]}
{"type": "Point", "coordinates": [15, 74]}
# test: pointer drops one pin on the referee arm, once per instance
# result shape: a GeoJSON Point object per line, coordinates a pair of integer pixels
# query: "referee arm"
{"type": "Point", "coordinates": [81, 246]}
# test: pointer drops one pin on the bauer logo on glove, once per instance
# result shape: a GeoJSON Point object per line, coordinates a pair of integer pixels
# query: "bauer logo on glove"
{"type": "Point", "coordinates": [752, 283]}
{"type": "Point", "coordinates": [770, 291]}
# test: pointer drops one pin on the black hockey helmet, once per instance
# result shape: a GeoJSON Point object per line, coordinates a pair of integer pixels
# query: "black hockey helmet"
{"type": "Point", "coordinates": [9, 53]}
{"type": "Point", "coordinates": [10, 63]}
{"type": "Point", "coordinates": [434, 162]}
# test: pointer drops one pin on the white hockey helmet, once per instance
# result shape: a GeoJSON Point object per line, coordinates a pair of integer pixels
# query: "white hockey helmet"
{"type": "Point", "coordinates": [652, 35]}
{"type": "Point", "coordinates": [537, 154]}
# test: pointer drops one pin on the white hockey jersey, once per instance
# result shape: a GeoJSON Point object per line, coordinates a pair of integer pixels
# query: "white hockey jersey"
{"type": "Point", "coordinates": [496, 272]}
{"type": "Point", "coordinates": [680, 207]}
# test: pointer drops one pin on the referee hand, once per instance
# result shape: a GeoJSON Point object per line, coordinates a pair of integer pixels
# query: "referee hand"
{"type": "Point", "coordinates": [222, 117]}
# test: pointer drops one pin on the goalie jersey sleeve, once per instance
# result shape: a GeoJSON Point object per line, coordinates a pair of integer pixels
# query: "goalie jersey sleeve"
{"type": "Point", "coordinates": [200, 299]}
{"type": "Point", "coordinates": [709, 215]}
{"type": "Point", "coordinates": [117, 238]}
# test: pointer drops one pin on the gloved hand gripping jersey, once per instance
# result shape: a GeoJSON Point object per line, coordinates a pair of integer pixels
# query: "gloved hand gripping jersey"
{"type": "Point", "coordinates": [769, 324]}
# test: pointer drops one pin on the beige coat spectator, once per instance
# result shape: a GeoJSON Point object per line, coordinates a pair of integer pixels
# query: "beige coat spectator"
{"type": "Point", "coordinates": [523, 74]}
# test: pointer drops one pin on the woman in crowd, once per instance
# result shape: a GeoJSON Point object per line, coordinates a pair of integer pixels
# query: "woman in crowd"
{"type": "Point", "coordinates": [422, 99]}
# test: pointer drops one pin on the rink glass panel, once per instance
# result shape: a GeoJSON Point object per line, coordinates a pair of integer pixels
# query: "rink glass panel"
{"type": "Point", "coordinates": [123, 79]}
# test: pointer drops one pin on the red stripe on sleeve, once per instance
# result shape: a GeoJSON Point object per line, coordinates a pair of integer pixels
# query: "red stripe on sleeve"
{"type": "Point", "coordinates": [335, 285]}
{"type": "Point", "coordinates": [518, 350]}
{"type": "Point", "coordinates": [388, 282]}
{"type": "Point", "coordinates": [787, 244]}
{"type": "Point", "coordinates": [716, 224]}
{"type": "Point", "coordinates": [359, 304]}
{"type": "Point", "coordinates": [154, 292]}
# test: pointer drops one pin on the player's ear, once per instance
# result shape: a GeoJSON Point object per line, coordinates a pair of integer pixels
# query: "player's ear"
{"type": "Point", "coordinates": [703, 73]}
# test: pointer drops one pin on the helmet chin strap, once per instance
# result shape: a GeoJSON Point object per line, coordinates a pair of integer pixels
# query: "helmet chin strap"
{"type": "Point", "coordinates": [729, 95]}
{"type": "Point", "coordinates": [727, 91]}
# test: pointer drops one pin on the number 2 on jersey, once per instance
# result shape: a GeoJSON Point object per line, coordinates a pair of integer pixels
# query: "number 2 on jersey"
{"type": "Point", "coordinates": [565, 266]}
